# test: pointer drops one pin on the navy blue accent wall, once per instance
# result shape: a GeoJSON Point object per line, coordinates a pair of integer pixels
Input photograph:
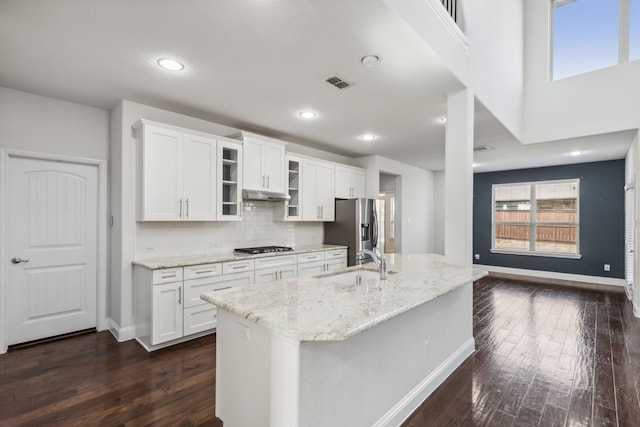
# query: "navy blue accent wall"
{"type": "Point", "coordinates": [601, 218]}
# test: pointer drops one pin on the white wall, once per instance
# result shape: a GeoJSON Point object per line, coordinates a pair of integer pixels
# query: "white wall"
{"type": "Point", "coordinates": [601, 101]}
{"type": "Point", "coordinates": [492, 64]}
{"type": "Point", "coordinates": [438, 212]}
{"type": "Point", "coordinates": [415, 192]}
{"type": "Point", "coordinates": [46, 125]}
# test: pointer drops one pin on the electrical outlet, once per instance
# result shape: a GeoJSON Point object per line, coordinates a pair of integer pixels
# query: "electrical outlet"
{"type": "Point", "coordinates": [607, 267]}
{"type": "Point", "coordinates": [476, 256]}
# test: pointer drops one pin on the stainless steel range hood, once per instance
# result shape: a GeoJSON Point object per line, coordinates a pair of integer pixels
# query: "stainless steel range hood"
{"type": "Point", "coordinates": [268, 196]}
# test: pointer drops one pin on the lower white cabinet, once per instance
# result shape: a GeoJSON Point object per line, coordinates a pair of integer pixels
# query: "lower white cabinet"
{"type": "Point", "coordinates": [167, 304]}
{"type": "Point", "coordinates": [321, 262]}
{"type": "Point", "coordinates": [274, 268]}
{"type": "Point", "coordinates": [168, 308]}
{"type": "Point", "coordinates": [166, 323]}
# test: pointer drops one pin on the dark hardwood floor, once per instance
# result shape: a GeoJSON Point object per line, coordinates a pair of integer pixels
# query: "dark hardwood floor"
{"type": "Point", "coordinates": [545, 356]}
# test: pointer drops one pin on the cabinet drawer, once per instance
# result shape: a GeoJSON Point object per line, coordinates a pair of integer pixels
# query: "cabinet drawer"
{"type": "Point", "coordinates": [167, 275]}
{"type": "Point", "coordinates": [275, 261]}
{"type": "Point", "coordinates": [202, 270]}
{"type": "Point", "coordinates": [237, 266]}
{"type": "Point", "coordinates": [311, 256]}
{"type": "Point", "coordinates": [195, 287]}
{"type": "Point", "coordinates": [335, 253]}
{"type": "Point", "coordinates": [199, 318]}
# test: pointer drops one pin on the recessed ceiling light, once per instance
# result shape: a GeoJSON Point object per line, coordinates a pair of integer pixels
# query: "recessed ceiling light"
{"type": "Point", "coordinates": [575, 153]}
{"type": "Point", "coordinates": [370, 60]}
{"type": "Point", "coordinates": [368, 137]}
{"type": "Point", "coordinates": [170, 64]}
{"type": "Point", "coordinates": [443, 119]}
{"type": "Point", "coordinates": [307, 115]}
{"type": "Point", "coordinates": [473, 165]}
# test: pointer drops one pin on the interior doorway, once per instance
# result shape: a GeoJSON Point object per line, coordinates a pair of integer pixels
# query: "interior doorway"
{"type": "Point", "coordinates": [387, 204]}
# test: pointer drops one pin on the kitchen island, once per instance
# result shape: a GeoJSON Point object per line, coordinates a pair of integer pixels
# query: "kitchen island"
{"type": "Point", "coordinates": [344, 348]}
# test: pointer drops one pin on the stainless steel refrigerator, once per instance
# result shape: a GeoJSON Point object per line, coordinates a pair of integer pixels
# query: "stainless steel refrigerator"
{"type": "Point", "coordinates": [356, 226]}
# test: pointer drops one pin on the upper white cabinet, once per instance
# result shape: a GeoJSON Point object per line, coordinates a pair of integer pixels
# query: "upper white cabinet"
{"type": "Point", "coordinates": [350, 182]}
{"type": "Point", "coordinates": [176, 174]}
{"type": "Point", "coordinates": [317, 190]}
{"type": "Point", "coordinates": [229, 181]}
{"type": "Point", "coordinates": [264, 160]}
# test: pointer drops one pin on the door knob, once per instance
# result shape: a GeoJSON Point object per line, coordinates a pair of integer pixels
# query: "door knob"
{"type": "Point", "coordinates": [17, 260]}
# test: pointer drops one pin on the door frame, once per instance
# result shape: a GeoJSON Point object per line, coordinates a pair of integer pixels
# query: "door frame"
{"type": "Point", "coordinates": [101, 263]}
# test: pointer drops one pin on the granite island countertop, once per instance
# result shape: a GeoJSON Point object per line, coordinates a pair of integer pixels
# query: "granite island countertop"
{"type": "Point", "coordinates": [326, 308]}
{"type": "Point", "coordinates": [182, 261]}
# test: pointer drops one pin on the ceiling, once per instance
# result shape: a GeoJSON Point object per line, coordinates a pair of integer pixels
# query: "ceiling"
{"type": "Point", "coordinates": [254, 65]}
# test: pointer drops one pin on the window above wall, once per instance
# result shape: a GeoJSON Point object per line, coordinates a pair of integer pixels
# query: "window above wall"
{"type": "Point", "coordinates": [537, 218]}
{"type": "Point", "coordinates": [588, 35]}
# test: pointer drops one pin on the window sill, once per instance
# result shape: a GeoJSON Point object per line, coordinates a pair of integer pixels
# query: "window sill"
{"type": "Point", "coordinates": [541, 254]}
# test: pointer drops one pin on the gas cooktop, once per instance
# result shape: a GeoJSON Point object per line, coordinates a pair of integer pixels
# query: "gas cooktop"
{"type": "Point", "coordinates": [262, 250]}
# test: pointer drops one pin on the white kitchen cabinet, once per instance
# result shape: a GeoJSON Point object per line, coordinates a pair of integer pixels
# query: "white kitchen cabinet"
{"type": "Point", "coordinates": [176, 174]}
{"type": "Point", "coordinates": [317, 190]}
{"type": "Point", "coordinates": [349, 182]}
{"type": "Point", "coordinates": [166, 323]}
{"type": "Point", "coordinates": [277, 267]}
{"type": "Point", "coordinates": [291, 210]}
{"type": "Point", "coordinates": [167, 304]}
{"type": "Point", "coordinates": [230, 166]}
{"type": "Point", "coordinates": [265, 163]}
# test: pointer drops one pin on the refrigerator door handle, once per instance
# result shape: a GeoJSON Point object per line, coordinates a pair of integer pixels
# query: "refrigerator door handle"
{"type": "Point", "coordinates": [374, 231]}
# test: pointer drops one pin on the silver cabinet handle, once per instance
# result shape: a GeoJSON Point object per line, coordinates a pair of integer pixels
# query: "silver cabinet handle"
{"type": "Point", "coordinates": [16, 260]}
{"type": "Point", "coordinates": [179, 295]}
{"type": "Point", "coordinates": [204, 271]}
{"type": "Point", "coordinates": [187, 208]}
{"type": "Point", "coordinates": [239, 266]}
{"type": "Point", "coordinates": [263, 180]}
{"type": "Point", "coordinates": [180, 202]}
{"type": "Point", "coordinates": [268, 180]}
{"type": "Point", "coordinates": [321, 212]}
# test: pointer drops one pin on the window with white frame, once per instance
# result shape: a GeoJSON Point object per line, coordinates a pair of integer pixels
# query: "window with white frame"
{"type": "Point", "coordinates": [537, 218]}
{"type": "Point", "coordinates": [588, 35]}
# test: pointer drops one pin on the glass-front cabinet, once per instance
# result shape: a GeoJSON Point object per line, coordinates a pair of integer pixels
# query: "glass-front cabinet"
{"type": "Point", "coordinates": [294, 183]}
{"type": "Point", "coordinates": [229, 180]}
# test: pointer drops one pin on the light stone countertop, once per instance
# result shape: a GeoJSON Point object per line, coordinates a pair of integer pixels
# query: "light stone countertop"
{"type": "Point", "coordinates": [329, 308]}
{"type": "Point", "coordinates": [172, 262]}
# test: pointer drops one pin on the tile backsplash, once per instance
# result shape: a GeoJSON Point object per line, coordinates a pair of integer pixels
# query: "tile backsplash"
{"type": "Point", "coordinates": [257, 228]}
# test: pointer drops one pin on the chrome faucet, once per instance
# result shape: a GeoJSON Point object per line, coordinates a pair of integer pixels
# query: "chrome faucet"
{"type": "Point", "coordinates": [379, 259]}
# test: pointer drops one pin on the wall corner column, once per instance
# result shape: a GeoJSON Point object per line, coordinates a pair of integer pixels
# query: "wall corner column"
{"type": "Point", "coordinates": [458, 186]}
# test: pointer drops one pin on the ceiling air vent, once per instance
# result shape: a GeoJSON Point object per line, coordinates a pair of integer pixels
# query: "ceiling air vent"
{"type": "Point", "coordinates": [482, 148]}
{"type": "Point", "coordinates": [337, 82]}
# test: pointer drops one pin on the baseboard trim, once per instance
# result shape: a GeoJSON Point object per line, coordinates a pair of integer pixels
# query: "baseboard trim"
{"type": "Point", "coordinates": [121, 334]}
{"type": "Point", "coordinates": [567, 279]}
{"type": "Point", "coordinates": [408, 404]}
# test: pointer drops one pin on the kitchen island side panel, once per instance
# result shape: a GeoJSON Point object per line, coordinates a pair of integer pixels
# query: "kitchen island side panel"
{"type": "Point", "coordinates": [358, 381]}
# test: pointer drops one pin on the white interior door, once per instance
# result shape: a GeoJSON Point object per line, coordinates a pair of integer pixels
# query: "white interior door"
{"type": "Point", "coordinates": [52, 232]}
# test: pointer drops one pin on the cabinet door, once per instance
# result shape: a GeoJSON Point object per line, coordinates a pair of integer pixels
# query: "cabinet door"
{"type": "Point", "coordinates": [161, 175]}
{"type": "Point", "coordinates": [343, 182]}
{"type": "Point", "coordinates": [267, 275]}
{"type": "Point", "coordinates": [326, 191]}
{"type": "Point", "coordinates": [358, 179]}
{"type": "Point", "coordinates": [310, 268]}
{"type": "Point", "coordinates": [310, 206]}
{"type": "Point", "coordinates": [253, 176]}
{"type": "Point", "coordinates": [336, 264]}
{"type": "Point", "coordinates": [199, 157]}
{"type": "Point", "coordinates": [229, 167]}
{"type": "Point", "coordinates": [273, 167]}
{"type": "Point", "coordinates": [166, 312]}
